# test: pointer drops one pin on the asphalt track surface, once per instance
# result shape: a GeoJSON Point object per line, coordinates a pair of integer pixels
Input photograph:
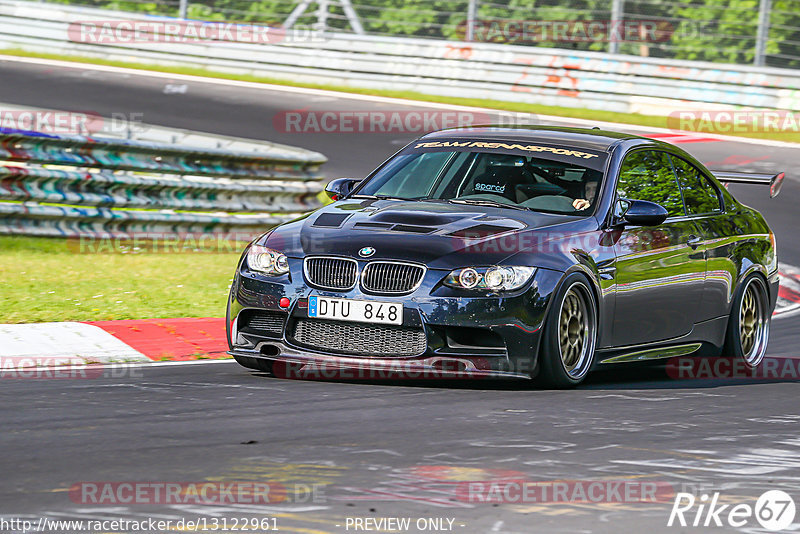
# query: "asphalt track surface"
{"type": "Point", "coordinates": [387, 449]}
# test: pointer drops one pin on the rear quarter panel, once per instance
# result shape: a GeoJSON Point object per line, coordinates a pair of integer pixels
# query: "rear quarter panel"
{"type": "Point", "coordinates": [738, 244]}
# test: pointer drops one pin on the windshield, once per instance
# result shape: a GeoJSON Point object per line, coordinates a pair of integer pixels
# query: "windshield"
{"type": "Point", "coordinates": [558, 181]}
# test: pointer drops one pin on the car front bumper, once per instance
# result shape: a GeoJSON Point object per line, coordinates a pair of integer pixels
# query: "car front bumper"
{"type": "Point", "coordinates": [465, 336]}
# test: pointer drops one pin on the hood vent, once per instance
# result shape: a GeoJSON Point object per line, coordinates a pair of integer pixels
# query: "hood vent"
{"type": "Point", "coordinates": [373, 226]}
{"type": "Point", "coordinates": [480, 231]}
{"type": "Point", "coordinates": [412, 229]}
{"type": "Point", "coordinates": [412, 218]}
{"type": "Point", "coordinates": [331, 220]}
{"type": "Point", "coordinates": [408, 228]}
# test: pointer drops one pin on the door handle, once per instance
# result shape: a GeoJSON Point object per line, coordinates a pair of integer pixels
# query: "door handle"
{"type": "Point", "coordinates": [694, 241]}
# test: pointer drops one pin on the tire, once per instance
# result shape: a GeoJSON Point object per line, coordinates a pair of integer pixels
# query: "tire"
{"type": "Point", "coordinates": [256, 364]}
{"type": "Point", "coordinates": [570, 335]}
{"type": "Point", "coordinates": [748, 326]}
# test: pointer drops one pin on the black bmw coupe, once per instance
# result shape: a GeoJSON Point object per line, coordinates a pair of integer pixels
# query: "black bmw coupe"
{"type": "Point", "coordinates": [535, 252]}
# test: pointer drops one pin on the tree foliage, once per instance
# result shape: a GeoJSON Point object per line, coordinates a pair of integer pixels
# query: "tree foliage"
{"type": "Point", "coordinates": [707, 30]}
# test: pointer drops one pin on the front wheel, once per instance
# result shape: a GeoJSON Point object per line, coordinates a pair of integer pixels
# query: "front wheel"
{"type": "Point", "coordinates": [570, 335]}
{"type": "Point", "coordinates": [748, 326]}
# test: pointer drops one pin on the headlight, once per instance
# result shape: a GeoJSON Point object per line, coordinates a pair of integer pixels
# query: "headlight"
{"type": "Point", "coordinates": [491, 278]}
{"type": "Point", "coordinates": [267, 261]}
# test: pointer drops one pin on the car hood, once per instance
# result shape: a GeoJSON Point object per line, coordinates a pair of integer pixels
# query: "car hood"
{"type": "Point", "coordinates": [440, 235]}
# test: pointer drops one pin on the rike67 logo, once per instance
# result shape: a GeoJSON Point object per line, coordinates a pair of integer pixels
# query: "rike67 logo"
{"type": "Point", "coordinates": [774, 511]}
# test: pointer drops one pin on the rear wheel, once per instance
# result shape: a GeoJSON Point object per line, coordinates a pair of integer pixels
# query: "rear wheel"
{"type": "Point", "coordinates": [570, 335]}
{"type": "Point", "coordinates": [748, 326]}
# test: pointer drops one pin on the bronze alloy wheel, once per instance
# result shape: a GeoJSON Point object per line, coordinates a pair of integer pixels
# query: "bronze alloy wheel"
{"type": "Point", "coordinates": [576, 331]}
{"type": "Point", "coordinates": [754, 322]}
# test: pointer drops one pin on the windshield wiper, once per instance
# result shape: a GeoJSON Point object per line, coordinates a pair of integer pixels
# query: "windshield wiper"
{"type": "Point", "coordinates": [382, 197]}
{"type": "Point", "coordinates": [467, 201]}
{"type": "Point", "coordinates": [477, 202]}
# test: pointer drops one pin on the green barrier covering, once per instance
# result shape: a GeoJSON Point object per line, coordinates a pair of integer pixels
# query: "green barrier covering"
{"type": "Point", "coordinates": [77, 186]}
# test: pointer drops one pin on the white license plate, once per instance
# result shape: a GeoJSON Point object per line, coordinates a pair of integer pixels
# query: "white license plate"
{"type": "Point", "coordinates": [362, 311]}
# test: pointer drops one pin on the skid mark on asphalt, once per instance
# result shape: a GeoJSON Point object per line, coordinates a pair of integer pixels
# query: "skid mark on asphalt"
{"type": "Point", "coordinates": [540, 446]}
{"type": "Point", "coordinates": [631, 397]}
{"type": "Point", "coordinates": [432, 485]}
{"type": "Point", "coordinates": [298, 513]}
{"type": "Point", "coordinates": [435, 487]}
{"type": "Point", "coordinates": [286, 473]}
{"type": "Point", "coordinates": [751, 463]}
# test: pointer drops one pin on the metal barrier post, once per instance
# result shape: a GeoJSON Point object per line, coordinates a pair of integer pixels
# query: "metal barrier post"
{"type": "Point", "coordinates": [322, 16]}
{"type": "Point", "coordinates": [472, 13]}
{"type": "Point", "coordinates": [762, 36]}
{"type": "Point", "coordinates": [617, 9]}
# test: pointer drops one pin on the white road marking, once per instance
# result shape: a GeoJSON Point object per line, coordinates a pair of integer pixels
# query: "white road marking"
{"type": "Point", "coordinates": [52, 344]}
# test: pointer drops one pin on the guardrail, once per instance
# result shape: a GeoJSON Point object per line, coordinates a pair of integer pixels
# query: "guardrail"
{"type": "Point", "coordinates": [475, 70]}
{"type": "Point", "coordinates": [75, 186]}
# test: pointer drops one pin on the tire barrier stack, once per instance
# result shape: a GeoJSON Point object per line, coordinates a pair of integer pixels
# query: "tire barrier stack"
{"type": "Point", "coordinates": [74, 186]}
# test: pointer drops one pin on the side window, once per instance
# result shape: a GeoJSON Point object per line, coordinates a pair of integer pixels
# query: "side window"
{"type": "Point", "coordinates": [647, 175]}
{"type": "Point", "coordinates": [699, 193]}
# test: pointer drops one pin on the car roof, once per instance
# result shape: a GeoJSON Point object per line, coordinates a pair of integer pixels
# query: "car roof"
{"type": "Point", "coordinates": [591, 138]}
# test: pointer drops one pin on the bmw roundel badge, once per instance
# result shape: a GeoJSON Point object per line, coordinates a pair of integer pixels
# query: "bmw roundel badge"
{"type": "Point", "coordinates": [366, 252]}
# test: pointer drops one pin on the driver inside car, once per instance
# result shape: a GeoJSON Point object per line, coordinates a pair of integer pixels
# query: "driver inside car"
{"type": "Point", "coordinates": [590, 189]}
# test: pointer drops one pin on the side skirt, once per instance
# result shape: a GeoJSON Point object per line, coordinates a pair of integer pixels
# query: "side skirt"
{"type": "Point", "coordinates": [706, 339]}
{"type": "Point", "coordinates": [654, 354]}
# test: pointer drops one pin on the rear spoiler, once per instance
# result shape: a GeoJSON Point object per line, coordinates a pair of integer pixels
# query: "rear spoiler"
{"type": "Point", "coordinates": [774, 181]}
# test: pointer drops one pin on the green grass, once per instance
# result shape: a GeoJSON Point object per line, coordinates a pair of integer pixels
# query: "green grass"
{"type": "Point", "coordinates": [575, 113]}
{"type": "Point", "coordinates": [46, 279]}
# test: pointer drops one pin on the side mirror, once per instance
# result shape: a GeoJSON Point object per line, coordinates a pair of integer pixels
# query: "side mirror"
{"type": "Point", "coordinates": [644, 213]}
{"type": "Point", "coordinates": [340, 187]}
